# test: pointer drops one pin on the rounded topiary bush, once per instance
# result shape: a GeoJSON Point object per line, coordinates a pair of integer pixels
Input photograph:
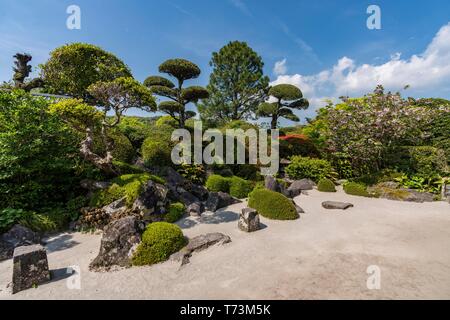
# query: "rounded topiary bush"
{"type": "Point", "coordinates": [309, 168]}
{"type": "Point", "coordinates": [240, 188]}
{"type": "Point", "coordinates": [159, 241]}
{"type": "Point", "coordinates": [176, 211]}
{"type": "Point", "coordinates": [356, 189]}
{"type": "Point", "coordinates": [216, 183]}
{"type": "Point", "coordinates": [272, 205]}
{"type": "Point", "coordinates": [326, 185]}
{"type": "Point", "coordinates": [156, 152]}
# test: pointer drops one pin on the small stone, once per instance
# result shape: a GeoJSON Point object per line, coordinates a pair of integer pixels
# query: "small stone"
{"type": "Point", "coordinates": [195, 209]}
{"type": "Point", "coordinates": [30, 267]}
{"type": "Point", "coordinates": [219, 200]}
{"type": "Point", "coordinates": [337, 205]}
{"type": "Point", "coordinates": [17, 236]}
{"type": "Point", "coordinates": [249, 220]}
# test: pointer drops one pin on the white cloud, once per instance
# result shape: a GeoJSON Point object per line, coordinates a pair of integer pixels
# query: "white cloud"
{"type": "Point", "coordinates": [427, 74]}
{"type": "Point", "coordinates": [240, 4]}
{"type": "Point", "coordinates": [280, 67]}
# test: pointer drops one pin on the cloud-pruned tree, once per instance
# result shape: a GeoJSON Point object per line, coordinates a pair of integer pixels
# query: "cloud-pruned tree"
{"type": "Point", "coordinates": [22, 71]}
{"type": "Point", "coordinates": [72, 68]}
{"type": "Point", "coordinates": [177, 96]}
{"type": "Point", "coordinates": [287, 97]}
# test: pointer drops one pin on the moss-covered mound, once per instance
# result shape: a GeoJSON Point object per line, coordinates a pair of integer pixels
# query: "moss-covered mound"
{"type": "Point", "coordinates": [176, 211]}
{"type": "Point", "coordinates": [272, 205]}
{"type": "Point", "coordinates": [159, 241]}
{"type": "Point", "coordinates": [326, 185]}
{"type": "Point", "coordinates": [216, 183]}
{"type": "Point", "coordinates": [356, 189]}
{"type": "Point", "coordinates": [240, 188]}
{"type": "Point", "coordinates": [128, 186]}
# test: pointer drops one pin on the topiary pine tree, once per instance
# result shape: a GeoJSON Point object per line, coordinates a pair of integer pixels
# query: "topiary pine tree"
{"type": "Point", "coordinates": [287, 97]}
{"type": "Point", "coordinates": [178, 96]}
{"type": "Point", "coordinates": [22, 71]}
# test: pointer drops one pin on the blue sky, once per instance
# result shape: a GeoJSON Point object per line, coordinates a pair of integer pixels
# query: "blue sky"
{"type": "Point", "coordinates": [322, 46]}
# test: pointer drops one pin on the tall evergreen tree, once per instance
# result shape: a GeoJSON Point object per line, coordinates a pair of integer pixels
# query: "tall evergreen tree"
{"type": "Point", "coordinates": [237, 84]}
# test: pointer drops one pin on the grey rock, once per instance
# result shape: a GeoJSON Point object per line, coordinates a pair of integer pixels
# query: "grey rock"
{"type": "Point", "coordinates": [116, 207]}
{"type": "Point", "coordinates": [199, 191]}
{"type": "Point", "coordinates": [198, 244]}
{"type": "Point", "coordinates": [249, 220]}
{"type": "Point", "coordinates": [17, 236]}
{"type": "Point", "coordinates": [120, 239]}
{"type": "Point", "coordinates": [173, 177]}
{"type": "Point", "coordinates": [94, 185]}
{"type": "Point", "coordinates": [272, 184]}
{"type": "Point", "coordinates": [152, 200]}
{"type": "Point", "coordinates": [337, 205]}
{"type": "Point", "coordinates": [30, 267]}
{"type": "Point", "coordinates": [219, 200]}
{"type": "Point", "coordinates": [195, 209]}
{"type": "Point", "coordinates": [419, 197]}
{"type": "Point", "coordinates": [389, 184]}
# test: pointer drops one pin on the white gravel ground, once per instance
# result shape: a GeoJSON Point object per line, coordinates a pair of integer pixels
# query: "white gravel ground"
{"type": "Point", "coordinates": [323, 255]}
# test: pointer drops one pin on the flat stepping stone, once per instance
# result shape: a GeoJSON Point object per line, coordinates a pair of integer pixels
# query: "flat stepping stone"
{"type": "Point", "coordinates": [336, 205]}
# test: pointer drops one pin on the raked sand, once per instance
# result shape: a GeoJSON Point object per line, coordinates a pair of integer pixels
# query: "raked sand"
{"type": "Point", "coordinates": [323, 255]}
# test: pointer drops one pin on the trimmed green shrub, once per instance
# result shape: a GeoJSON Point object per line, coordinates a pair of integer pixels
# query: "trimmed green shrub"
{"type": "Point", "coordinates": [159, 241]}
{"type": "Point", "coordinates": [272, 205]}
{"type": "Point", "coordinates": [167, 121]}
{"type": "Point", "coordinates": [305, 167]}
{"type": "Point", "coordinates": [216, 183]}
{"type": "Point", "coordinates": [356, 189]}
{"type": "Point", "coordinates": [123, 149]}
{"type": "Point", "coordinates": [156, 152]}
{"type": "Point", "coordinates": [240, 188]}
{"type": "Point", "coordinates": [128, 186]}
{"type": "Point", "coordinates": [326, 185]}
{"type": "Point", "coordinates": [176, 211]}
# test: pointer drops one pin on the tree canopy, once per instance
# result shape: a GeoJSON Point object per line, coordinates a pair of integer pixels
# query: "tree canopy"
{"type": "Point", "coordinates": [287, 97]}
{"type": "Point", "coordinates": [237, 84]}
{"type": "Point", "coordinates": [178, 97]}
{"type": "Point", "coordinates": [72, 68]}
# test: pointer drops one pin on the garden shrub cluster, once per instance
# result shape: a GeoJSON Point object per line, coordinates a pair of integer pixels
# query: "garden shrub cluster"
{"type": "Point", "coordinates": [235, 186]}
{"type": "Point", "coordinates": [159, 241]}
{"type": "Point", "coordinates": [156, 152]}
{"type": "Point", "coordinates": [272, 205]}
{"type": "Point", "coordinates": [356, 189]}
{"type": "Point", "coordinates": [326, 185]}
{"type": "Point", "coordinates": [176, 212]}
{"type": "Point", "coordinates": [128, 186]}
{"type": "Point", "coordinates": [309, 168]}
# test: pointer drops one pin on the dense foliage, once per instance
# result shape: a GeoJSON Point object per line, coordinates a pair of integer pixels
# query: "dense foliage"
{"type": "Point", "coordinates": [272, 205]}
{"type": "Point", "coordinates": [159, 241]}
{"type": "Point", "coordinates": [237, 85]}
{"type": "Point", "coordinates": [309, 168]}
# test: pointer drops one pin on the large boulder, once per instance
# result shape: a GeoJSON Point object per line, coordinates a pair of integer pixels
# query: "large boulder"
{"type": "Point", "coordinates": [296, 187]}
{"type": "Point", "coordinates": [115, 208]}
{"type": "Point", "coordinates": [272, 184]}
{"type": "Point", "coordinates": [152, 201]}
{"type": "Point", "coordinates": [30, 267]}
{"type": "Point", "coordinates": [120, 239]}
{"type": "Point", "coordinates": [195, 209]}
{"type": "Point", "coordinates": [249, 220]}
{"type": "Point", "coordinates": [219, 200]}
{"type": "Point", "coordinates": [199, 243]}
{"type": "Point", "coordinates": [17, 236]}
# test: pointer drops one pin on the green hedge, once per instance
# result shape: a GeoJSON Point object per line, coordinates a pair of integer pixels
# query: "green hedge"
{"type": "Point", "coordinates": [159, 241]}
{"type": "Point", "coordinates": [240, 188]}
{"type": "Point", "coordinates": [156, 152]}
{"type": "Point", "coordinates": [309, 168]}
{"type": "Point", "coordinates": [326, 185]}
{"type": "Point", "coordinates": [216, 183]}
{"type": "Point", "coordinates": [272, 205]}
{"type": "Point", "coordinates": [176, 211]}
{"type": "Point", "coordinates": [356, 189]}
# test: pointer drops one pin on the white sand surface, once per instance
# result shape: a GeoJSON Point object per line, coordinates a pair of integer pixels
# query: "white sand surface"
{"type": "Point", "coordinates": [323, 255]}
